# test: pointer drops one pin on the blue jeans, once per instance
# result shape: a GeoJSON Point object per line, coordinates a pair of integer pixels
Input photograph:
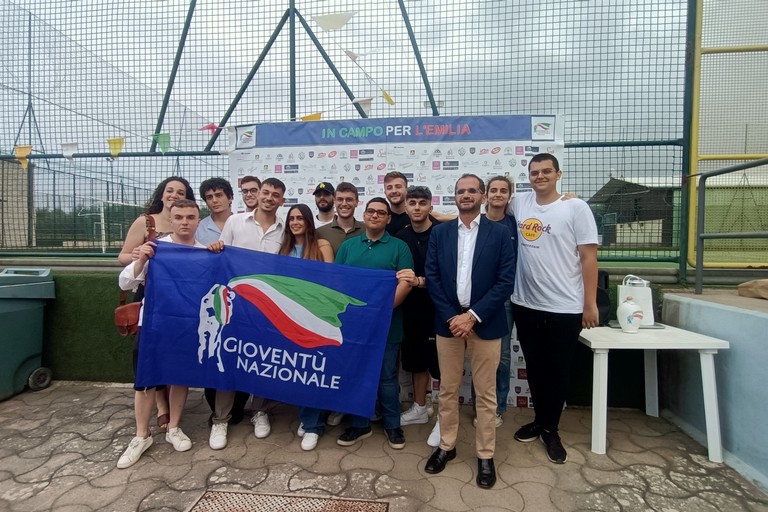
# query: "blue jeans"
{"type": "Point", "coordinates": [388, 393]}
{"type": "Point", "coordinates": [503, 372]}
{"type": "Point", "coordinates": [312, 419]}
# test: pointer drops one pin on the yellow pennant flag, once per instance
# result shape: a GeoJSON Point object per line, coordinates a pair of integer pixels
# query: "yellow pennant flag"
{"type": "Point", "coordinates": [387, 97]}
{"type": "Point", "coordinates": [22, 152]}
{"type": "Point", "coordinates": [116, 145]}
{"type": "Point", "coordinates": [313, 117]}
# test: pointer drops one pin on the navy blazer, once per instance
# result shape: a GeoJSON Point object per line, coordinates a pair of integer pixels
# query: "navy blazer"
{"type": "Point", "coordinates": [493, 276]}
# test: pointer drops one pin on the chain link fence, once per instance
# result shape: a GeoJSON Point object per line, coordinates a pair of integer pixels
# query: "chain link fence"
{"type": "Point", "coordinates": [83, 72]}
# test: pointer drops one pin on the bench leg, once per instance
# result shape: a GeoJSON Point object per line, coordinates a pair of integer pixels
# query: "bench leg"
{"type": "Point", "coordinates": [599, 399]}
{"type": "Point", "coordinates": [711, 411]}
{"type": "Point", "coordinates": [651, 383]}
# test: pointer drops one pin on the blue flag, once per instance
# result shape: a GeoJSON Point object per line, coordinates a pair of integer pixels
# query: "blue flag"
{"type": "Point", "coordinates": [297, 331]}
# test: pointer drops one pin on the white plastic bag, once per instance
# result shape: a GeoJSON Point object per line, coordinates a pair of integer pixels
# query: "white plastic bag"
{"type": "Point", "coordinates": [640, 291]}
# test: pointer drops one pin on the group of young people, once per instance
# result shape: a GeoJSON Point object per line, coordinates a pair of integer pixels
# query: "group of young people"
{"type": "Point", "coordinates": [461, 282]}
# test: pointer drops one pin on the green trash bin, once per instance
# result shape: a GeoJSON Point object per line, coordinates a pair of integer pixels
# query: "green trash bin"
{"type": "Point", "coordinates": [23, 293]}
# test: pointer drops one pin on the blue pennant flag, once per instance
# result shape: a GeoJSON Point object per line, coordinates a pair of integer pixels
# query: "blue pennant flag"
{"type": "Point", "coordinates": [297, 331]}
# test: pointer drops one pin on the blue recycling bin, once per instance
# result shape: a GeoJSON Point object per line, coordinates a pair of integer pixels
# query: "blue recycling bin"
{"type": "Point", "coordinates": [23, 295]}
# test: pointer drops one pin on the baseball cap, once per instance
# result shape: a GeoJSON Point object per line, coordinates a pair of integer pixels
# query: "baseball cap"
{"type": "Point", "coordinates": [324, 186]}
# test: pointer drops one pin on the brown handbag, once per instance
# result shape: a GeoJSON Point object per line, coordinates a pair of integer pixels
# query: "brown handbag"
{"type": "Point", "coordinates": [127, 315]}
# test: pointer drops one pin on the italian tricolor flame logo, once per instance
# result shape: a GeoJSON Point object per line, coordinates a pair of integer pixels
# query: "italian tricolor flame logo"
{"type": "Point", "coordinates": [304, 312]}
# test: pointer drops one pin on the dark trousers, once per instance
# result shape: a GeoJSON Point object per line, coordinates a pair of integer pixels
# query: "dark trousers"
{"type": "Point", "coordinates": [548, 341]}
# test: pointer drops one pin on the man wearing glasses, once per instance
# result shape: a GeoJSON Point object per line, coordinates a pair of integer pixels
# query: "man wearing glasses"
{"type": "Point", "coordinates": [375, 248]}
{"type": "Point", "coordinates": [469, 275]}
{"type": "Point", "coordinates": [249, 187]}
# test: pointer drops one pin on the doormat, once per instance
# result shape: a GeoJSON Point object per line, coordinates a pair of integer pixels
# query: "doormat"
{"type": "Point", "coordinates": [236, 501]}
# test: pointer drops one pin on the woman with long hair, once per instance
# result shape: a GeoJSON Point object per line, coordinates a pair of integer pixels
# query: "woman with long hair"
{"type": "Point", "coordinates": [156, 220]}
{"type": "Point", "coordinates": [300, 238]}
{"type": "Point", "coordinates": [300, 241]}
{"type": "Point", "coordinates": [154, 223]}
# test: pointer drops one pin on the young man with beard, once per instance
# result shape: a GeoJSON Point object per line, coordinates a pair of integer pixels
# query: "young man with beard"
{"type": "Point", "coordinates": [418, 351]}
{"type": "Point", "coordinates": [555, 295]}
{"type": "Point", "coordinates": [344, 225]}
{"type": "Point", "coordinates": [395, 188]}
{"type": "Point", "coordinates": [324, 201]}
{"type": "Point", "coordinates": [469, 276]}
{"type": "Point", "coordinates": [260, 230]}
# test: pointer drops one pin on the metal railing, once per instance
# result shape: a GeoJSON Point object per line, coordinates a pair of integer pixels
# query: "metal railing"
{"type": "Point", "coordinates": [700, 212]}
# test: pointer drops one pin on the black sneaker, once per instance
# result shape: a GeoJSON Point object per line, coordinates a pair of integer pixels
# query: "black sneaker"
{"type": "Point", "coordinates": [352, 435]}
{"type": "Point", "coordinates": [528, 433]}
{"type": "Point", "coordinates": [396, 438]}
{"type": "Point", "coordinates": [555, 451]}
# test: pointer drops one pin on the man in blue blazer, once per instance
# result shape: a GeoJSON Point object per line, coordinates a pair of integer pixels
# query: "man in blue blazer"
{"type": "Point", "coordinates": [470, 272]}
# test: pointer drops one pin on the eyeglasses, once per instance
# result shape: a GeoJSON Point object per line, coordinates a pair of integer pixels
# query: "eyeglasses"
{"type": "Point", "coordinates": [543, 172]}
{"type": "Point", "coordinates": [378, 213]}
{"type": "Point", "coordinates": [253, 191]}
{"type": "Point", "coordinates": [462, 191]}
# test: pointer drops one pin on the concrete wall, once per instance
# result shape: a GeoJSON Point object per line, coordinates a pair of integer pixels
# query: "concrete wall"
{"type": "Point", "coordinates": [741, 374]}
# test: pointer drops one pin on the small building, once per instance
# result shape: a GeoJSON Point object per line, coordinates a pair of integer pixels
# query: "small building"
{"type": "Point", "coordinates": [638, 212]}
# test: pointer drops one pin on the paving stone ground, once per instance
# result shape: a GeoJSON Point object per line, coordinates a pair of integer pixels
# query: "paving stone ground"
{"type": "Point", "coordinates": [59, 448]}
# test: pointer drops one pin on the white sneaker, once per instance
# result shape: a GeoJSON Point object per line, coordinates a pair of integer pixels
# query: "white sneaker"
{"type": "Point", "coordinates": [334, 418]}
{"type": "Point", "coordinates": [416, 415]}
{"type": "Point", "coordinates": [429, 405]}
{"type": "Point", "coordinates": [131, 455]}
{"type": "Point", "coordinates": [434, 437]}
{"type": "Point", "coordinates": [178, 439]}
{"type": "Point", "coordinates": [309, 441]}
{"type": "Point", "coordinates": [218, 438]}
{"type": "Point", "coordinates": [261, 427]}
{"type": "Point", "coordinates": [499, 421]}
{"type": "Point", "coordinates": [300, 432]}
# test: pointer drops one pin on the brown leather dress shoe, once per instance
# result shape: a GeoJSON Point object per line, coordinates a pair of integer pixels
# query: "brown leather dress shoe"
{"type": "Point", "coordinates": [438, 460]}
{"type": "Point", "coordinates": [486, 473]}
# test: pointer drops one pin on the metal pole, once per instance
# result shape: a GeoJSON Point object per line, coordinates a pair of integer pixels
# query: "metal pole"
{"type": "Point", "coordinates": [328, 61]}
{"type": "Point", "coordinates": [247, 81]}
{"type": "Point", "coordinates": [690, 89]}
{"type": "Point", "coordinates": [103, 230]}
{"type": "Point", "coordinates": [700, 215]}
{"type": "Point", "coordinates": [174, 69]}
{"type": "Point", "coordinates": [419, 61]}
{"type": "Point", "coordinates": [30, 168]}
{"type": "Point", "coordinates": [292, 56]}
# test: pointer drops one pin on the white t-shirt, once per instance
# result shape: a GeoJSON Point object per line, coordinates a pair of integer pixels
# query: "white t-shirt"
{"type": "Point", "coordinates": [549, 274]}
{"type": "Point", "coordinates": [242, 230]}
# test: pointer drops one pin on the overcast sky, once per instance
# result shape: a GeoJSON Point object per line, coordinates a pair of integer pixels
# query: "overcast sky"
{"type": "Point", "coordinates": [613, 68]}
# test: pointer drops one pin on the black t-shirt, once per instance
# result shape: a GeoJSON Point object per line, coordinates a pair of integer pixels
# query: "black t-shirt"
{"type": "Point", "coordinates": [418, 310]}
{"type": "Point", "coordinates": [397, 223]}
